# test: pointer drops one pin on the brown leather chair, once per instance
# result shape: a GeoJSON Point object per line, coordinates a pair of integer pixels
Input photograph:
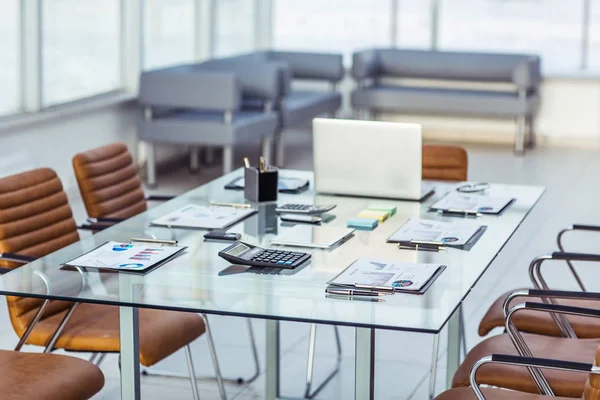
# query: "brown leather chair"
{"type": "Point", "coordinates": [543, 323]}
{"type": "Point", "coordinates": [35, 220]}
{"type": "Point", "coordinates": [109, 183]}
{"type": "Point", "coordinates": [567, 384]}
{"type": "Point", "coordinates": [26, 376]}
{"type": "Point", "coordinates": [591, 387]}
{"type": "Point", "coordinates": [444, 163]}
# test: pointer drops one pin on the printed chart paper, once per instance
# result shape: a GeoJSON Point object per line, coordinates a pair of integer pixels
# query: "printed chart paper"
{"type": "Point", "coordinates": [203, 217]}
{"type": "Point", "coordinates": [472, 202]}
{"type": "Point", "coordinates": [126, 256]}
{"type": "Point", "coordinates": [451, 233]}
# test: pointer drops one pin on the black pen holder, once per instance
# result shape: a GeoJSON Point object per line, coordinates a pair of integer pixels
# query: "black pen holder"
{"type": "Point", "coordinates": [259, 187]}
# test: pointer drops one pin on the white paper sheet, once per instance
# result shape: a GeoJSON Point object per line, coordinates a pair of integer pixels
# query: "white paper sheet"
{"type": "Point", "coordinates": [398, 275]}
{"type": "Point", "coordinates": [202, 217]}
{"type": "Point", "coordinates": [472, 202]}
{"type": "Point", "coordinates": [126, 256]}
{"type": "Point", "coordinates": [456, 233]}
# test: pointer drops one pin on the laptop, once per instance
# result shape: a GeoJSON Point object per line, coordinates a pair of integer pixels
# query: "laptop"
{"type": "Point", "coordinates": [369, 158]}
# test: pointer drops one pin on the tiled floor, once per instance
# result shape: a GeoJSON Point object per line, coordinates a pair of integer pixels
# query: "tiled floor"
{"type": "Point", "coordinates": [403, 360]}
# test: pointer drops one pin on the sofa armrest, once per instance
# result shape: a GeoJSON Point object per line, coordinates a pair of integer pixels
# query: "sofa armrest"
{"type": "Point", "coordinates": [365, 64]}
{"type": "Point", "coordinates": [257, 77]}
{"type": "Point", "coordinates": [527, 74]}
{"type": "Point", "coordinates": [188, 87]}
{"type": "Point", "coordinates": [313, 66]}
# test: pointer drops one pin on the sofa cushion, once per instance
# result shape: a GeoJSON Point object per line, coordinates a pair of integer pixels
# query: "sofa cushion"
{"type": "Point", "coordinates": [444, 101]}
{"type": "Point", "coordinates": [302, 106]}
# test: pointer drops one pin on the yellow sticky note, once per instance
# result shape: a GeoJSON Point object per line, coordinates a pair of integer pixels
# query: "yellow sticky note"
{"type": "Point", "coordinates": [380, 215]}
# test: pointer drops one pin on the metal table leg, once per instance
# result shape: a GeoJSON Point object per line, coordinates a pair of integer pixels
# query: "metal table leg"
{"type": "Point", "coordinates": [364, 380]}
{"type": "Point", "coordinates": [453, 361]}
{"type": "Point", "coordinates": [130, 353]}
{"type": "Point", "coordinates": [272, 367]}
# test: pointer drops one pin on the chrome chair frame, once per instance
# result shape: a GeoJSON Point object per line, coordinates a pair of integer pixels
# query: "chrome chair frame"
{"type": "Point", "coordinates": [529, 362]}
{"type": "Point", "coordinates": [311, 361]}
{"type": "Point", "coordinates": [516, 337]}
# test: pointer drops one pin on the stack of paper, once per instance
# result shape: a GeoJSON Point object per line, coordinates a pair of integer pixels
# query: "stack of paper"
{"type": "Point", "coordinates": [472, 202]}
{"type": "Point", "coordinates": [203, 217]}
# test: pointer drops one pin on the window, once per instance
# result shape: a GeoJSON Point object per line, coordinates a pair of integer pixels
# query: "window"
{"type": "Point", "coordinates": [593, 56]}
{"type": "Point", "coordinates": [234, 27]}
{"type": "Point", "coordinates": [549, 28]}
{"type": "Point", "coordinates": [414, 24]}
{"type": "Point", "coordinates": [9, 57]}
{"type": "Point", "coordinates": [335, 26]}
{"type": "Point", "coordinates": [168, 32]}
{"type": "Point", "coordinates": [80, 49]}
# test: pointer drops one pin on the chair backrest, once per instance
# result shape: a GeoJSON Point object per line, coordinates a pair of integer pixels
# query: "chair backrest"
{"type": "Point", "coordinates": [444, 163]}
{"type": "Point", "coordinates": [109, 183]}
{"type": "Point", "coordinates": [592, 386]}
{"type": "Point", "coordinates": [35, 220]}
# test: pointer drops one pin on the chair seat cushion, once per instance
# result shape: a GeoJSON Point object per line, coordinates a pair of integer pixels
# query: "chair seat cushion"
{"type": "Point", "coordinates": [541, 322]}
{"type": "Point", "coordinates": [493, 394]}
{"type": "Point", "coordinates": [302, 106]}
{"type": "Point", "coordinates": [26, 376]}
{"type": "Point", "coordinates": [208, 128]}
{"type": "Point", "coordinates": [568, 384]}
{"type": "Point", "coordinates": [444, 101]}
{"type": "Point", "coordinates": [95, 328]}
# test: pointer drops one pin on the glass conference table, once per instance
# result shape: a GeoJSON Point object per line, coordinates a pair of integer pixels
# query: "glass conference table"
{"type": "Point", "coordinates": [191, 282]}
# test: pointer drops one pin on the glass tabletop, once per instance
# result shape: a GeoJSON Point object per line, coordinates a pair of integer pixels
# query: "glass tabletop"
{"type": "Point", "coordinates": [192, 281]}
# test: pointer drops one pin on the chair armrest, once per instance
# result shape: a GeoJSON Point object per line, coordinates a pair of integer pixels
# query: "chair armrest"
{"type": "Point", "coordinates": [310, 65]}
{"type": "Point", "coordinates": [191, 87]}
{"type": "Point", "coordinates": [365, 64]}
{"type": "Point", "coordinates": [18, 258]}
{"type": "Point", "coordinates": [257, 78]}
{"type": "Point", "coordinates": [561, 255]}
{"type": "Point", "coordinates": [563, 294]}
{"type": "Point", "coordinates": [530, 362]}
{"type": "Point", "coordinates": [93, 227]}
{"type": "Point", "coordinates": [105, 220]}
{"type": "Point", "coordinates": [159, 197]}
{"type": "Point", "coordinates": [580, 227]}
{"type": "Point", "coordinates": [527, 74]}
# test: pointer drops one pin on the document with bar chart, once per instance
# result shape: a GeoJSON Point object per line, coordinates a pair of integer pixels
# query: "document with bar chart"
{"type": "Point", "coordinates": [127, 256]}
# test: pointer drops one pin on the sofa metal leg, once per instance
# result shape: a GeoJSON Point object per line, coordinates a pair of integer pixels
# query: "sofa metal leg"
{"type": "Point", "coordinates": [194, 159]}
{"type": "Point", "coordinates": [279, 148]}
{"type": "Point", "coordinates": [151, 164]}
{"type": "Point", "coordinates": [531, 140]}
{"type": "Point", "coordinates": [520, 136]}
{"type": "Point", "coordinates": [227, 159]}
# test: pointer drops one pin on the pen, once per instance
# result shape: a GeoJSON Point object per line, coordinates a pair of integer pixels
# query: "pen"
{"type": "Point", "coordinates": [422, 245]}
{"type": "Point", "coordinates": [236, 205]}
{"type": "Point", "coordinates": [246, 162]}
{"type": "Point", "coordinates": [262, 164]}
{"type": "Point", "coordinates": [360, 298]}
{"type": "Point", "coordinates": [146, 240]}
{"type": "Point", "coordinates": [353, 292]}
{"type": "Point", "coordinates": [375, 288]}
{"type": "Point", "coordinates": [422, 248]}
{"type": "Point", "coordinates": [463, 213]}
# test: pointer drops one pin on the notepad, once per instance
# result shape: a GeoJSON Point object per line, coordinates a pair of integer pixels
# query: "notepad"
{"type": "Point", "coordinates": [127, 256]}
{"type": "Point", "coordinates": [322, 237]}
{"type": "Point", "coordinates": [365, 224]}
{"type": "Point", "coordinates": [473, 202]}
{"type": "Point", "coordinates": [384, 274]}
{"type": "Point", "coordinates": [380, 215]}
{"type": "Point", "coordinates": [390, 210]}
{"type": "Point", "coordinates": [203, 217]}
{"type": "Point", "coordinates": [453, 234]}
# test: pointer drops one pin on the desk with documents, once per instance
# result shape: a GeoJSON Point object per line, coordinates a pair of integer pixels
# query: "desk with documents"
{"type": "Point", "coordinates": [191, 282]}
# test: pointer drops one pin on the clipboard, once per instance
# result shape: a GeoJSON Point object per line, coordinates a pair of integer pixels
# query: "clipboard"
{"type": "Point", "coordinates": [285, 185]}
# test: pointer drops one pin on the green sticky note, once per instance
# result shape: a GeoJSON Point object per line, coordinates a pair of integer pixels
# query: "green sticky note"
{"type": "Point", "coordinates": [391, 210]}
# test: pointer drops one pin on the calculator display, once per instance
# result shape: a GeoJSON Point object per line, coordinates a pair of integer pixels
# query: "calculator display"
{"type": "Point", "coordinates": [237, 250]}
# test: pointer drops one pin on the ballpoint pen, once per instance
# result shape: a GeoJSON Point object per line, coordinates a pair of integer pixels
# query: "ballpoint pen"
{"type": "Point", "coordinates": [246, 162]}
{"type": "Point", "coordinates": [236, 205]}
{"type": "Point", "coordinates": [462, 213]}
{"type": "Point", "coordinates": [360, 298]}
{"type": "Point", "coordinates": [421, 245]}
{"type": "Point", "coordinates": [147, 240]}
{"type": "Point", "coordinates": [353, 292]}
{"type": "Point", "coordinates": [262, 164]}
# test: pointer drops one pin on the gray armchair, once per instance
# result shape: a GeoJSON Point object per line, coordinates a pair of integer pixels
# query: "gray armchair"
{"type": "Point", "coordinates": [201, 105]}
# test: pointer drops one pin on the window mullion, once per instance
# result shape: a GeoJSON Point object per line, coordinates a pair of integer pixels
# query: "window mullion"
{"type": "Point", "coordinates": [31, 55]}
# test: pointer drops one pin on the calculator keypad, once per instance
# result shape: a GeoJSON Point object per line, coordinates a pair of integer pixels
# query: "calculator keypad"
{"type": "Point", "coordinates": [297, 207]}
{"type": "Point", "coordinates": [277, 257]}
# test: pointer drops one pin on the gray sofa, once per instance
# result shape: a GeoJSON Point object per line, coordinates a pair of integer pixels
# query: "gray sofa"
{"type": "Point", "coordinates": [236, 100]}
{"type": "Point", "coordinates": [380, 74]}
